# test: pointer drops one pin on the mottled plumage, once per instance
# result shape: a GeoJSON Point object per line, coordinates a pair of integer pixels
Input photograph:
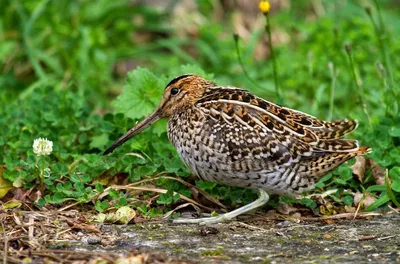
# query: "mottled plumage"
{"type": "Point", "coordinates": [228, 135]}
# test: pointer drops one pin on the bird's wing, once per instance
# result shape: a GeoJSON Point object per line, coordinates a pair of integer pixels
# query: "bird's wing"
{"type": "Point", "coordinates": [300, 133]}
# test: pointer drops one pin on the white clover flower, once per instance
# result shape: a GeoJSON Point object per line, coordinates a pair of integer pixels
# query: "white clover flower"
{"type": "Point", "coordinates": [42, 146]}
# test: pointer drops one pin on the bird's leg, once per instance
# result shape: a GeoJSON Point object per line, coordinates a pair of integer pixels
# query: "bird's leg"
{"type": "Point", "coordinates": [263, 198]}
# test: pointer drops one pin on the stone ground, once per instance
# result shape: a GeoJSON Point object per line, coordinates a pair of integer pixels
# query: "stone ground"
{"type": "Point", "coordinates": [344, 241]}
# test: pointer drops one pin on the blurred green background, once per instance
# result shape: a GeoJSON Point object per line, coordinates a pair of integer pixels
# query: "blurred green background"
{"type": "Point", "coordinates": [63, 64]}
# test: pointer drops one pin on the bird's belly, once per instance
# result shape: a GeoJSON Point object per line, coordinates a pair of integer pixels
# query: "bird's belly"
{"type": "Point", "coordinates": [217, 167]}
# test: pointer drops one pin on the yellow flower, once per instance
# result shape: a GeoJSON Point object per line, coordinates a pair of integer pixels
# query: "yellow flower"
{"type": "Point", "coordinates": [264, 6]}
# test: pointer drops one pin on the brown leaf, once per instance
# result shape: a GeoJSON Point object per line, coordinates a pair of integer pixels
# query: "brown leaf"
{"type": "Point", "coordinates": [21, 194]}
{"type": "Point", "coordinates": [369, 199]}
{"type": "Point", "coordinates": [359, 167]}
{"type": "Point", "coordinates": [365, 199]}
{"type": "Point", "coordinates": [327, 236]}
{"type": "Point", "coordinates": [357, 198]}
{"type": "Point", "coordinates": [377, 172]}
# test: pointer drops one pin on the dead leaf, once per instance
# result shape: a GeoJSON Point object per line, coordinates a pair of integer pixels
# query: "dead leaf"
{"type": "Point", "coordinates": [122, 216]}
{"type": "Point", "coordinates": [327, 209]}
{"type": "Point", "coordinates": [327, 236]}
{"type": "Point", "coordinates": [22, 195]}
{"type": "Point", "coordinates": [357, 198]}
{"type": "Point", "coordinates": [369, 199]}
{"type": "Point", "coordinates": [359, 167]}
{"type": "Point", "coordinates": [125, 214]}
{"type": "Point", "coordinates": [364, 200]}
{"type": "Point", "coordinates": [378, 173]}
{"type": "Point", "coordinates": [11, 205]}
{"type": "Point", "coordinates": [140, 259]}
{"type": "Point", "coordinates": [5, 185]}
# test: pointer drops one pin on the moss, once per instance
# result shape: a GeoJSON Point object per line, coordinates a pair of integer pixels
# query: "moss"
{"type": "Point", "coordinates": [217, 252]}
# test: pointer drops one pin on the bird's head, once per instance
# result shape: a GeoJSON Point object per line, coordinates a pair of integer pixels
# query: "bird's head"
{"type": "Point", "coordinates": [179, 94]}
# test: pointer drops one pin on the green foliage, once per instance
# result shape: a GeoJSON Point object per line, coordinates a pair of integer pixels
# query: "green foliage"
{"type": "Point", "coordinates": [60, 72]}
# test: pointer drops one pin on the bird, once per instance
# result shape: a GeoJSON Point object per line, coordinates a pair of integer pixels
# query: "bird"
{"type": "Point", "coordinates": [229, 135]}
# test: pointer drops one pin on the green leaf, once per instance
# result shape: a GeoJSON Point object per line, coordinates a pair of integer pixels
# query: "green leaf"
{"type": "Point", "coordinates": [99, 141]}
{"type": "Point", "coordinates": [101, 206]}
{"type": "Point", "coordinates": [381, 201]}
{"type": "Point", "coordinates": [192, 68]}
{"type": "Point", "coordinates": [396, 186]}
{"type": "Point", "coordinates": [340, 181]}
{"type": "Point", "coordinates": [10, 175]}
{"type": "Point", "coordinates": [376, 188]}
{"type": "Point", "coordinates": [348, 200]}
{"type": "Point", "coordinates": [394, 131]}
{"type": "Point", "coordinates": [160, 127]}
{"type": "Point", "coordinates": [309, 203]}
{"type": "Point", "coordinates": [140, 95]}
{"type": "Point", "coordinates": [206, 185]}
{"type": "Point", "coordinates": [394, 173]}
{"type": "Point", "coordinates": [390, 192]}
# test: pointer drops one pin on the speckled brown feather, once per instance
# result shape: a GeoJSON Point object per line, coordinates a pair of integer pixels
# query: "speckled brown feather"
{"type": "Point", "coordinates": [232, 136]}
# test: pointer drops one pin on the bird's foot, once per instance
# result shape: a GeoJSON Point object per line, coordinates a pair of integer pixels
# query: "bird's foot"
{"type": "Point", "coordinates": [262, 199]}
{"type": "Point", "coordinates": [204, 220]}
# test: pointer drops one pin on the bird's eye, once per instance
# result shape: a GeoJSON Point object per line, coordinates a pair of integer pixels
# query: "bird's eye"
{"type": "Point", "coordinates": [174, 91]}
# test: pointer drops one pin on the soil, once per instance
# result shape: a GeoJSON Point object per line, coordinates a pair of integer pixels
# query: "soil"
{"type": "Point", "coordinates": [358, 241]}
{"type": "Point", "coordinates": [257, 239]}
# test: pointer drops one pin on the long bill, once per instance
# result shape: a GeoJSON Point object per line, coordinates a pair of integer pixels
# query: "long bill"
{"type": "Point", "coordinates": [152, 118]}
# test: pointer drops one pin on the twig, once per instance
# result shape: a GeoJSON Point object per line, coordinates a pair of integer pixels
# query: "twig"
{"type": "Point", "coordinates": [386, 237]}
{"type": "Point", "coordinates": [167, 214]}
{"type": "Point", "coordinates": [251, 227]}
{"type": "Point", "coordinates": [341, 216]}
{"type": "Point", "coordinates": [157, 190]}
{"type": "Point", "coordinates": [5, 244]}
{"type": "Point", "coordinates": [31, 228]}
{"type": "Point", "coordinates": [68, 206]}
{"type": "Point", "coordinates": [189, 185]}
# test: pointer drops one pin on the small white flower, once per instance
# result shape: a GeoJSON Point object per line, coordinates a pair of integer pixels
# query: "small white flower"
{"type": "Point", "coordinates": [42, 146]}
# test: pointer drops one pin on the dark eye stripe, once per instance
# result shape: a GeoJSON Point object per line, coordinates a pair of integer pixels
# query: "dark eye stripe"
{"type": "Point", "coordinates": [177, 79]}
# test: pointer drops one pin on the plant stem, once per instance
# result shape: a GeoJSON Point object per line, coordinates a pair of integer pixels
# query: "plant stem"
{"type": "Point", "coordinates": [28, 23]}
{"type": "Point", "coordinates": [380, 35]}
{"type": "Point", "coordinates": [333, 74]}
{"type": "Point", "coordinates": [41, 168]}
{"type": "Point", "coordinates": [274, 65]}
{"type": "Point", "coordinates": [236, 39]}
{"type": "Point", "coordinates": [360, 89]}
